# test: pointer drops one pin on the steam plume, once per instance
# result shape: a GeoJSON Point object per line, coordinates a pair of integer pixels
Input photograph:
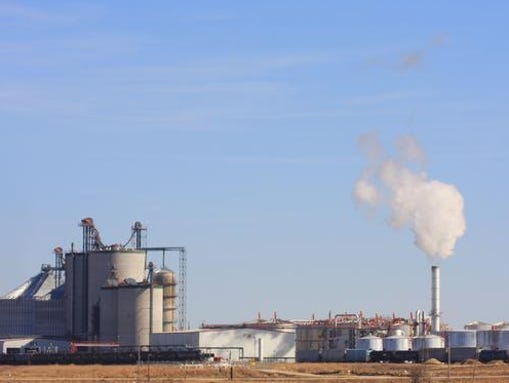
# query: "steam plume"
{"type": "Point", "coordinates": [432, 209]}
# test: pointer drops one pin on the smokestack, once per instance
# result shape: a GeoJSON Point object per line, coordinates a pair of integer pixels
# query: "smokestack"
{"type": "Point", "coordinates": [435, 299]}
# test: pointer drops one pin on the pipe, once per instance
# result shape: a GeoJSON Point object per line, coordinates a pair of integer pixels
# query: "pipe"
{"type": "Point", "coordinates": [435, 299]}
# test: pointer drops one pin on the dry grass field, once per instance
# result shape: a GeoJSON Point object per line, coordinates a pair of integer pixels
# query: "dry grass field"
{"type": "Point", "coordinates": [280, 372]}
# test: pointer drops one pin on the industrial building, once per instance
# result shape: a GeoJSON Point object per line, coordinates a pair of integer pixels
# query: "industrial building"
{"type": "Point", "coordinates": [115, 297]}
{"type": "Point", "coordinates": [99, 294]}
{"type": "Point", "coordinates": [259, 340]}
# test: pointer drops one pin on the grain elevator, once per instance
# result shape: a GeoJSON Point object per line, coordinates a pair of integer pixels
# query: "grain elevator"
{"type": "Point", "coordinates": [101, 293]}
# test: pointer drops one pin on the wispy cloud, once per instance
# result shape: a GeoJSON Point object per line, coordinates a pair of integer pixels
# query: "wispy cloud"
{"type": "Point", "coordinates": [20, 12]}
{"type": "Point", "coordinates": [207, 18]}
{"type": "Point", "coordinates": [249, 87]}
{"type": "Point", "coordinates": [411, 60]}
{"type": "Point", "coordinates": [40, 99]}
{"type": "Point", "coordinates": [379, 98]}
{"type": "Point", "coordinates": [406, 60]}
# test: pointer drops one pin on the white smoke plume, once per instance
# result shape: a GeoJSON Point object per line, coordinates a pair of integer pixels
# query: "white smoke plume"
{"type": "Point", "coordinates": [432, 209]}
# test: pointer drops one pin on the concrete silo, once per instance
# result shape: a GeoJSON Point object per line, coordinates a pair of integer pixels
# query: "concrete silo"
{"type": "Point", "coordinates": [139, 313]}
{"type": "Point", "coordinates": [166, 279]}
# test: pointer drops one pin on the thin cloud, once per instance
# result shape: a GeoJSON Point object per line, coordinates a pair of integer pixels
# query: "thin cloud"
{"type": "Point", "coordinates": [15, 11]}
{"type": "Point", "coordinates": [379, 98]}
{"type": "Point", "coordinates": [211, 18]}
{"type": "Point", "coordinates": [411, 60]}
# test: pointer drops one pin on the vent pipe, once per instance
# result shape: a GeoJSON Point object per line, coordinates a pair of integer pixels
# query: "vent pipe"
{"type": "Point", "coordinates": [435, 299]}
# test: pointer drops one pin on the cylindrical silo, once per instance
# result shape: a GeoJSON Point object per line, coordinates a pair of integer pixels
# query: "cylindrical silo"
{"type": "Point", "coordinates": [124, 263]}
{"type": "Point", "coordinates": [501, 339]}
{"type": "Point", "coordinates": [370, 342]}
{"type": "Point", "coordinates": [427, 342]}
{"type": "Point", "coordinates": [166, 278]}
{"type": "Point", "coordinates": [135, 318]}
{"type": "Point", "coordinates": [485, 340]}
{"type": "Point", "coordinates": [396, 343]}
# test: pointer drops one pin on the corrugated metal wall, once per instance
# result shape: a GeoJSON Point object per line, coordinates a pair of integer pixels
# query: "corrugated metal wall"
{"type": "Point", "coordinates": [24, 317]}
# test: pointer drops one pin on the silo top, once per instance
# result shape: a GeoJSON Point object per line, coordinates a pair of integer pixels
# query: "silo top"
{"type": "Point", "coordinates": [165, 277]}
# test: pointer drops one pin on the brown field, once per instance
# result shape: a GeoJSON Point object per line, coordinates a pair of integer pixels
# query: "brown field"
{"type": "Point", "coordinates": [274, 372]}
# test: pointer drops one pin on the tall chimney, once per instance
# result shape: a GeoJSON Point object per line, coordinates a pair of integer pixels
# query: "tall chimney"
{"type": "Point", "coordinates": [435, 299]}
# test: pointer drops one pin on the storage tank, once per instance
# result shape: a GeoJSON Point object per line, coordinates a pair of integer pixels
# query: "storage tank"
{"type": "Point", "coordinates": [370, 342]}
{"type": "Point", "coordinates": [427, 342]}
{"type": "Point", "coordinates": [461, 338]}
{"type": "Point", "coordinates": [478, 325]}
{"type": "Point", "coordinates": [485, 340]}
{"type": "Point", "coordinates": [501, 339]}
{"type": "Point", "coordinates": [401, 329]}
{"type": "Point", "coordinates": [166, 279]}
{"type": "Point", "coordinates": [493, 339]}
{"type": "Point", "coordinates": [134, 315]}
{"type": "Point", "coordinates": [124, 263]}
{"type": "Point", "coordinates": [396, 343]}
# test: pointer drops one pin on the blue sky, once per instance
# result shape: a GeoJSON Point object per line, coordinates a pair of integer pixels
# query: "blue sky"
{"type": "Point", "coordinates": [231, 127]}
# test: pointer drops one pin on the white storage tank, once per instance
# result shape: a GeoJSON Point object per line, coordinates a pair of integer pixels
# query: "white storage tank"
{"type": "Point", "coordinates": [485, 340]}
{"type": "Point", "coordinates": [124, 263]}
{"type": "Point", "coordinates": [501, 339]}
{"type": "Point", "coordinates": [397, 343]}
{"type": "Point", "coordinates": [370, 342]}
{"type": "Point", "coordinates": [134, 316]}
{"type": "Point", "coordinates": [427, 341]}
{"type": "Point", "coordinates": [461, 338]}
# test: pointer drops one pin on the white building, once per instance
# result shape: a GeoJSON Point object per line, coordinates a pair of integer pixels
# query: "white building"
{"type": "Point", "coordinates": [235, 343]}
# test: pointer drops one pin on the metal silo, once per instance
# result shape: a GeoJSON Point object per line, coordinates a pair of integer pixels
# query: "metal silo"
{"type": "Point", "coordinates": [396, 343]}
{"type": "Point", "coordinates": [501, 339]}
{"type": "Point", "coordinates": [370, 342]}
{"type": "Point", "coordinates": [135, 317]}
{"type": "Point", "coordinates": [427, 342]}
{"type": "Point", "coordinates": [166, 278]}
{"type": "Point", "coordinates": [485, 340]}
{"type": "Point", "coordinates": [124, 263]}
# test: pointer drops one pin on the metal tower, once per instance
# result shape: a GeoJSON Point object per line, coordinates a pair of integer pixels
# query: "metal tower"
{"type": "Point", "coordinates": [182, 295]}
{"type": "Point", "coordinates": [182, 281]}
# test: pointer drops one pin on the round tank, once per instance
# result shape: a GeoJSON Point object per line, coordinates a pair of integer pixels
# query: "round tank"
{"type": "Point", "coordinates": [462, 338]}
{"type": "Point", "coordinates": [479, 326]}
{"type": "Point", "coordinates": [134, 314]}
{"type": "Point", "coordinates": [401, 330]}
{"type": "Point", "coordinates": [370, 342]}
{"type": "Point", "coordinates": [396, 343]}
{"type": "Point", "coordinates": [427, 342]}
{"type": "Point", "coordinates": [166, 279]}
{"type": "Point", "coordinates": [101, 264]}
{"type": "Point", "coordinates": [108, 314]}
{"type": "Point", "coordinates": [485, 340]}
{"type": "Point", "coordinates": [501, 339]}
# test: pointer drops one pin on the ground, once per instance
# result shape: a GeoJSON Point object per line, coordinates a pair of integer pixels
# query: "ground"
{"type": "Point", "coordinates": [268, 372]}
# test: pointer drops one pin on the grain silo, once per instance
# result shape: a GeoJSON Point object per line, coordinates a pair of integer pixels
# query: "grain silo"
{"type": "Point", "coordinates": [166, 279]}
{"type": "Point", "coordinates": [139, 313]}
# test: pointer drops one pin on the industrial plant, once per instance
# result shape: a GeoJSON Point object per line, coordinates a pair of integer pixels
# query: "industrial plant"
{"type": "Point", "coordinates": [111, 304]}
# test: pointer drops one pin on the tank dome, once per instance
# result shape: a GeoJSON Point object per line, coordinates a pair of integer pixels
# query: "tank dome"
{"type": "Point", "coordinates": [165, 277]}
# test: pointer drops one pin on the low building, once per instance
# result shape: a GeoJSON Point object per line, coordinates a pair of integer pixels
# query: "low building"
{"type": "Point", "coordinates": [236, 342]}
